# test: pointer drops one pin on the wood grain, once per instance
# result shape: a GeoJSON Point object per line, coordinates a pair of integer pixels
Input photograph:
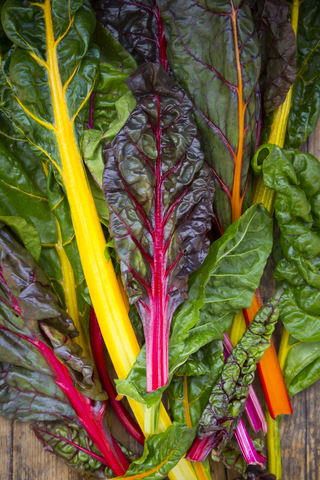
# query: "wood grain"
{"type": "Point", "coordinates": [22, 457]}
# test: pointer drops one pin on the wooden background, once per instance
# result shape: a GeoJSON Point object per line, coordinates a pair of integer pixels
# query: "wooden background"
{"type": "Point", "coordinates": [22, 457]}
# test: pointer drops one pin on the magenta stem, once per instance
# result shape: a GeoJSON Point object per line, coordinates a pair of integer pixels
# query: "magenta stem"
{"type": "Point", "coordinates": [252, 457]}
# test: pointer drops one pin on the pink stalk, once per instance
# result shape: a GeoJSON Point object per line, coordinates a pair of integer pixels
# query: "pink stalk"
{"type": "Point", "coordinates": [97, 348]}
{"type": "Point", "coordinates": [250, 454]}
{"type": "Point", "coordinates": [253, 408]}
{"type": "Point", "coordinates": [90, 414]}
{"type": "Point", "coordinates": [201, 448]}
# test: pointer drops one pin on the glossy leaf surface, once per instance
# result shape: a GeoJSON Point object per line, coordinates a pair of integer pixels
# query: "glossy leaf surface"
{"type": "Point", "coordinates": [229, 395]}
{"type": "Point", "coordinates": [159, 192]}
{"type": "Point", "coordinates": [190, 388]}
{"type": "Point", "coordinates": [137, 26]}
{"type": "Point", "coordinates": [277, 44]}
{"type": "Point", "coordinates": [217, 290]}
{"type": "Point", "coordinates": [70, 443]}
{"type": "Point", "coordinates": [305, 103]}
{"type": "Point", "coordinates": [213, 51]}
{"type": "Point", "coordinates": [296, 179]}
{"type": "Point", "coordinates": [161, 453]}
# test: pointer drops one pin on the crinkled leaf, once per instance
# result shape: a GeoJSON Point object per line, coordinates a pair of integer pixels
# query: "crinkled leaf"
{"type": "Point", "coordinates": [136, 25]}
{"type": "Point", "coordinates": [305, 103]}
{"type": "Point", "coordinates": [277, 44]}
{"type": "Point", "coordinates": [29, 190]}
{"type": "Point", "coordinates": [159, 192]}
{"type": "Point", "coordinates": [70, 442]}
{"type": "Point", "coordinates": [26, 232]}
{"type": "Point", "coordinates": [295, 177]}
{"type": "Point", "coordinates": [111, 103]}
{"type": "Point", "coordinates": [190, 388]}
{"type": "Point", "coordinates": [162, 452]}
{"type": "Point", "coordinates": [228, 397]}
{"type": "Point", "coordinates": [43, 376]}
{"type": "Point", "coordinates": [213, 51]}
{"type": "Point", "coordinates": [217, 290]}
{"type": "Point", "coordinates": [232, 457]}
{"type": "Point", "coordinates": [28, 307]}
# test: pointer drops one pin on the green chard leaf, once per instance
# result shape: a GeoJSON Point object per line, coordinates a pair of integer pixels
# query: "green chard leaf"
{"type": "Point", "coordinates": [213, 50]}
{"type": "Point", "coordinates": [277, 44]}
{"type": "Point", "coordinates": [190, 388]}
{"type": "Point", "coordinates": [43, 377]}
{"type": "Point", "coordinates": [71, 443]}
{"type": "Point", "coordinates": [162, 452]}
{"type": "Point", "coordinates": [32, 202]}
{"type": "Point", "coordinates": [228, 397]}
{"type": "Point", "coordinates": [305, 103]}
{"type": "Point", "coordinates": [111, 103]}
{"type": "Point", "coordinates": [225, 283]}
{"type": "Point", "coordinates": [295, 177]}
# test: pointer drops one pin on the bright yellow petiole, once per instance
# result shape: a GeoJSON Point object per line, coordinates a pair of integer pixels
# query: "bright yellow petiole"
{"type": "Point", "coordinates": [101, 280]}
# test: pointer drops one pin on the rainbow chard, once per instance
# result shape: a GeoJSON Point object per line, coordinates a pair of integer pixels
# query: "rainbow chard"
{"type": "Point", "coordinates": [159, 192]}
{"type": "Point", "coordinates": [43, 376]}
{"type": "Point", "coordinates": [227, 401]}
{"type": "Point", "coordinates": [137, 26]}
{"type": "Point", "coordinates": [213, 51]}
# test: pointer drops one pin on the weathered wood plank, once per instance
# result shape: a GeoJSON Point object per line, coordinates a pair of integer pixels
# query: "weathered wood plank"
{"type": "Point", "coordinates": [6, 437]}
{"type": "Point", "coordinates": [31, 462]}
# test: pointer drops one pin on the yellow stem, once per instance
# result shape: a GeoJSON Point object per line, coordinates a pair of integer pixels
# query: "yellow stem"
{"type": "Point", "coordinates": [274, 445]}
{"type": "Point", "coordinates": [283, 350]}
{"type": "Point", "coordinates": [238, 328]}
{"type": "Point", "coordinates": [101, 280]}
{"type": "Point", "coordinates": [278, 129]}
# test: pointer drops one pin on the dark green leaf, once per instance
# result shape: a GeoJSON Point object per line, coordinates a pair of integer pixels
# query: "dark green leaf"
{"type": "Point", "coordinates": [305, 103]}
{"type": "Point", "coordinates": [27, 234]}
{"type": "Point", "coordinates": [162, 452]}
{"type": "Point", "coordinates": [228, 397]}
{"type": "Point", "coordinates": [213, 51]}
{"type": "Point", "coordinates": [224, 283]}
{"type": "Point", "coordinates": [277, 43]}
{"type": "Point", "coordinates": [295, 177]}
{"type": "Point", "coordinates": [71, 443]}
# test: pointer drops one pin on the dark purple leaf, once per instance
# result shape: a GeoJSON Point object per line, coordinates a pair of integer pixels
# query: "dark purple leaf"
{"type": "Point", "coordinates": [277, 43]}
{"type": "Point", "coordinates": [159, 191]}
{"type": "Point", "coordinates": [137, 25]}
{"type": "Point", "coordinates": [43, 376]}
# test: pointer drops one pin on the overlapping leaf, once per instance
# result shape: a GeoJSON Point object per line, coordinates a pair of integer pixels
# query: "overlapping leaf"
{"type": "Point", "coordinates": [190, 388]}
{"type": "Point", "coordinates": [29, 191]}
{"type": "Point", "coordinates": [161, 453]}
{"type": "Point", "coordinates": [277, 43]}
{"type": "Point", "coordinates": [71, 443]}
{"type": "Point", "coordinates": [305, 103]}
{"type": "Point", "coordinates": [159, 192]}
{"type": "Point", "coordinates": [43, 376]}
{"type": "Point", "coordinates": [224, 283]}
{"type": "Point", "coordinates": [228, 397]}
{"type": "Point", "coordinates": [137, 26]}
{"type": "Point", "coordinates": [111, 103]}
{"type": "Point", "coordinates": [296, 179]}
{"type": "Point", "coordinates": [213, 51]}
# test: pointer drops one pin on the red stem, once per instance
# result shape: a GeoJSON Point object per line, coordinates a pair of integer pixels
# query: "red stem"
{"type": "Point", "coordinates": [162, 40]}
{"type": "Point", "coordinates": [97, 348]}
{"type": "Point", "coordinates": [89, 413]}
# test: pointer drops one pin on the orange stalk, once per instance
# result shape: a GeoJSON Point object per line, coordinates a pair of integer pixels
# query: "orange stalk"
{"type": "Point", "coordinates": [269, 370]}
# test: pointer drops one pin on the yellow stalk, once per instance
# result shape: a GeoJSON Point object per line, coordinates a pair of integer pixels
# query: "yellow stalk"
{"type": "Point", "coordinates": [238, 328]}
{"type": "Point", "coordinates": [274, 445]}
{"type": "Point", "coordinates": [101, 280]}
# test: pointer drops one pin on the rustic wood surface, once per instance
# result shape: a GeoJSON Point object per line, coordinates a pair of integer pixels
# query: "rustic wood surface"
{"type": "Point", "coordinates": [22, 457]}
